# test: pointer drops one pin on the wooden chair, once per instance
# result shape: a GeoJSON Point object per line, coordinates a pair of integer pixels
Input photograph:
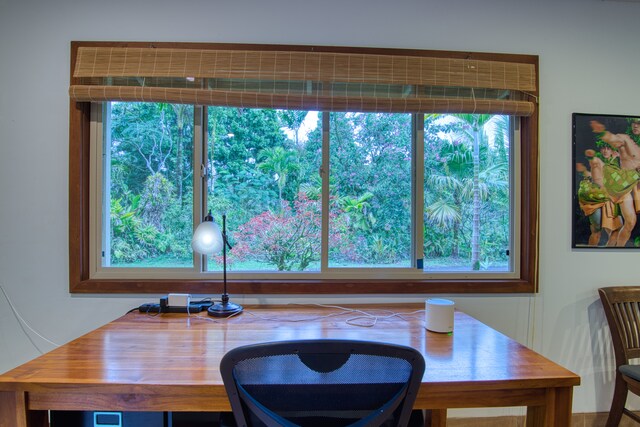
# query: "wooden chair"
{"type": "Point", "coordinates": [622, 308]}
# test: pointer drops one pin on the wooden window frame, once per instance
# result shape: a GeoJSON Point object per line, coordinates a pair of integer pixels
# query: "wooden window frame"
{"type": "Point", "coordinates": [79, 206]}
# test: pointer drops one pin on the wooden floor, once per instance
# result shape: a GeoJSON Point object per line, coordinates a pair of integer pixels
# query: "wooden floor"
{"type": "Point", "coordinates": [578, 420]}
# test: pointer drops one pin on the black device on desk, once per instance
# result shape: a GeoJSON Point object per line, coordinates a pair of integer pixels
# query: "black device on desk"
{"type": "Point", "coordinates": [164, 307]}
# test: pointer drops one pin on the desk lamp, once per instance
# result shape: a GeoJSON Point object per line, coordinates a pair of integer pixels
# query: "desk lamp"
{"type": "Point", "coordinates": [208, 240]}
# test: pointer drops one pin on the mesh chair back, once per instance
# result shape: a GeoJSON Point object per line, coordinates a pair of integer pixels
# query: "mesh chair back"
{"type": "Point", "coordinates": [322, 383]}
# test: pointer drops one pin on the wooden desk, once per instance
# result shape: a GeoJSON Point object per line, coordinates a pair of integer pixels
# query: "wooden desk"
{"type": "Point", "coordinates": [170, 363]}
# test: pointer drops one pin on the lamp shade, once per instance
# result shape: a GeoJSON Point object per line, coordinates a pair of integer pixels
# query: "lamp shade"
{"type": "Point", "coordinates": [207, 239]}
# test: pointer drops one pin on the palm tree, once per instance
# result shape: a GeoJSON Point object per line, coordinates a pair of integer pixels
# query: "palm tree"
{"type": "Point", "coordinates": [472, 127]}
{"type": "Point", "coordinates": [357, 210]}
{"type": "Point", "coordinates": [446, 208]}
{"type": "Point", "coordinates": [282, 163]}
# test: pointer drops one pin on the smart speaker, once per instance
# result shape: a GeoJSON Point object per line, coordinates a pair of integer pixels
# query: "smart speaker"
{"type": "Point", "coordinates": [438, 315]}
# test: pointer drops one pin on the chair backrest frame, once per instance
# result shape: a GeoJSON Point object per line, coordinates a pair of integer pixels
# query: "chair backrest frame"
{"type": "Point", "coordinates": [321, 346]}
{"type": "Point", "coordinates": [622, 308]}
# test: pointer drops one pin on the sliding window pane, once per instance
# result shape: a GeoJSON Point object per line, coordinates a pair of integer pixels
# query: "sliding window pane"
{"type": "Point", "coordinates": [148, 189]}
{"type": "Point", "coordinates": [467, 193]}
{"type": "Point", "coordinates": [264, 174]}
{"type": "Point", "coordinates": [370, 190]}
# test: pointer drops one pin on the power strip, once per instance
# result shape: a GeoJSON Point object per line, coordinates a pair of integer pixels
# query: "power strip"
{"type": "Point", "coordinates": [164, 307]}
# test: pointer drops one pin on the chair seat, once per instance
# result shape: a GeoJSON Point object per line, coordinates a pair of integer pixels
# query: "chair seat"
{"type": "Point", "coordinates": [632, 371]}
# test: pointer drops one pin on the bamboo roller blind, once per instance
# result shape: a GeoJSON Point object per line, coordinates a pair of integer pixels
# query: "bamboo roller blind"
{"type": "Point", "coordinates": [303, 80]}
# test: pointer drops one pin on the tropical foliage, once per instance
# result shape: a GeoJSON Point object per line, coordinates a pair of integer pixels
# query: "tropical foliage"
{"type": "Point", "coordinates": [263, 172]}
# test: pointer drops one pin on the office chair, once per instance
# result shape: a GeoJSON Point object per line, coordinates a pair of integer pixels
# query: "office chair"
{"type": "Point", "coordinates": [622, 308]}
{"type": "Point", "coordinates": [322, 382]}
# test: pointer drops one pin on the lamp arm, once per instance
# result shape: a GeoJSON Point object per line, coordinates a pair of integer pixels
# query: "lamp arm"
{"type": "Point", "coordinates": [226, 241]}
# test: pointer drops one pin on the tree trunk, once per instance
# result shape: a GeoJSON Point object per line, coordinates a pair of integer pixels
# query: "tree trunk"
{"type": "Point", "coordinates": [455, 251]}
{"type": "Point", "coordinates": [475, 234]}
{"type": "Point", "coordinates": [180, 113]}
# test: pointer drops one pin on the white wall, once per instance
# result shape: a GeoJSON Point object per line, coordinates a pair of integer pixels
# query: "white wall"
{"type": "Point", "coordinates": [588, 63]}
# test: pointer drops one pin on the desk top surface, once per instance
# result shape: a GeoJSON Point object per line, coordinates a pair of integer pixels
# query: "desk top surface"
{"type": "Point", "coordinates": [179, 350]}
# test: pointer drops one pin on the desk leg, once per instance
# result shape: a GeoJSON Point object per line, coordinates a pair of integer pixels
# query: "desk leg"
{"type": "Point", "coordinates": [13, 410]}
{"type": "Point", "coordinates": [555, 413]}
{"type": "Point", "coordinates": [435, 418]}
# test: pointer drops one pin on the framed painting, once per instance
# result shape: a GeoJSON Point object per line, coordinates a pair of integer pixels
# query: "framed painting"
{"type": "Point", "coordinates": [606, 181]}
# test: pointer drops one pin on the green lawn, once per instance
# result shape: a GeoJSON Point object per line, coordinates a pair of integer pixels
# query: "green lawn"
{"type": "Point", "coordinates": [438, 265]}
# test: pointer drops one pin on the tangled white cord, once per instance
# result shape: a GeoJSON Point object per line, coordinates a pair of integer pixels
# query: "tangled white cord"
{"type": "Point", "coordinates": [361, 318]}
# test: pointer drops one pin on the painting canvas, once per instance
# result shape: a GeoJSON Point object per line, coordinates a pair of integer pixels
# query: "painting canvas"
{"type": "Point", "coordinates": [606, 181]}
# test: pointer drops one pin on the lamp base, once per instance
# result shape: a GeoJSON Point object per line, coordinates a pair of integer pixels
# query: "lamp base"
{"type": "Point", "coordinates": [224, 309]}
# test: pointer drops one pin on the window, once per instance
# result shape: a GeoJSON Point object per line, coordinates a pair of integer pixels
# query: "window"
{"type": "Point", "coordinates": [469, 197]}
{"type": "Point", "coordinates": [146, 182]}
{"type": "Point", "coordinates": [343, 198]}
{"type": "Point", "coordinates": [370, 187]}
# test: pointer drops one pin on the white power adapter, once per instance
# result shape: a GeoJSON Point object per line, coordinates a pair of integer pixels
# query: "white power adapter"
{"type": "Point", "coordinates": [179, 300]}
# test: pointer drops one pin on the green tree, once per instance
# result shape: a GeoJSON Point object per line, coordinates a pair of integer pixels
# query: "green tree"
{"type": "Point", "coordinates": [371, 155]}
{"type": "Point", "coordinates": [357, 210]}
{"type": "Point", "coordinates": [184, 119]}
{"type": "Point", "coordinates": [473, 124]}
{"type": "Point", "coordinates": [445, 184]}
{"type": "Point", "coordinates": [155, 200]}
{"type": "Point", "coordinates": [466, 137]}
{"type": "Point", "coordinates": [293, 120]}
{"type": "Point", "coordinates": [236, 185]}
{"type": "Point", "coordinates": [150, 153]}
{"type": "Point", "coordinates": [279, 162]}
